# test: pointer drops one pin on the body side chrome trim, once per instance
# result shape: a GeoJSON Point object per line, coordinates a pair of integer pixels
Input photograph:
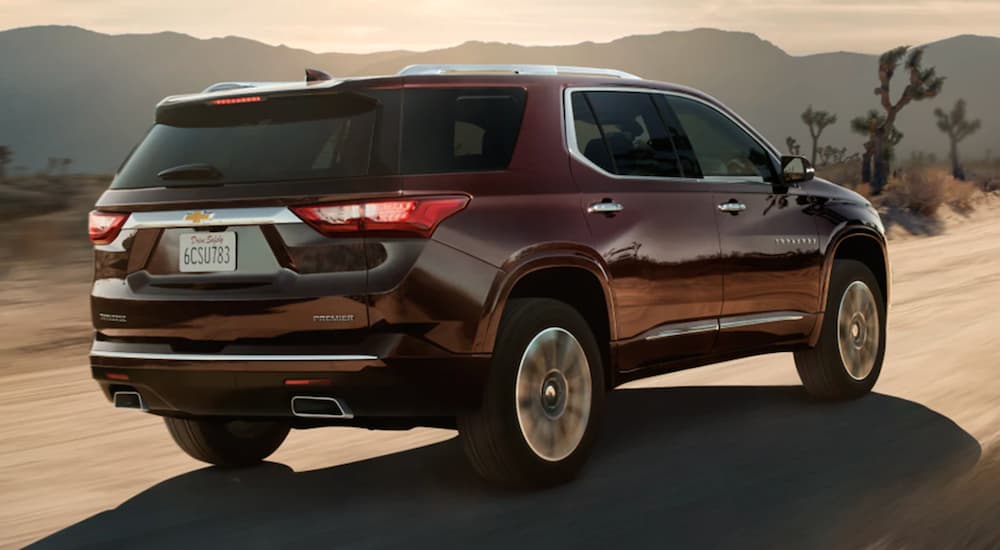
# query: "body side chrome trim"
{"type": "Point", "coordinates": [683, 329]}
{"type": "Point", "coordinates": [221, 357]}
{"type": "Point", "coordinates": [737, 321]}
{"type": "Point", "coordinates": [212, 217]}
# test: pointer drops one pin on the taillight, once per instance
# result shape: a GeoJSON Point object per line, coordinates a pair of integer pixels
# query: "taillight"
{"type": "Point", "coordinates": [236, 100]}
{"type": "Point", "coordinates": [104, 226]}
{"type": "Point", "coordinates": [416, 217]}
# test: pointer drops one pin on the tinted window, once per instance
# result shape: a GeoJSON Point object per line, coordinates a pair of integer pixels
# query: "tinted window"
{"type": "Point", "coordinates": [460, 129]}
{"type": "Point", "coordinates": [722, 148]}
{"type": "Point", "coordinates": [589, 139]}
{"type": "Point", "coordinates": [685, 153]}
{"type": "Point", "coordinates": [279, 138]}
{"type": "Point", "coordinates": [634, 142]}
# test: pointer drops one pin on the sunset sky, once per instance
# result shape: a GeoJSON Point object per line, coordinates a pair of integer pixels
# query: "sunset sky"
{"type": "Point", "coordinates": [798, 26]}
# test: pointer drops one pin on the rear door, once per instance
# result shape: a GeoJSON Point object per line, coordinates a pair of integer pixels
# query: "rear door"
{"type": "Point", "coordinates": [652, 221]}
{"type": "Point", "coordinates": [769, 240]}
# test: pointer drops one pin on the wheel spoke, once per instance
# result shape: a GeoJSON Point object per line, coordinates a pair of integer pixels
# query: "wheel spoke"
{"type": "Point", "coordinates": [858, 330]}
{"type": "Point", "coordinates": [553, 394]}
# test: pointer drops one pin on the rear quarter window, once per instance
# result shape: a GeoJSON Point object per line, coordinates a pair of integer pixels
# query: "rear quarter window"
{"type": "Point", "coordinates": [459, 129]}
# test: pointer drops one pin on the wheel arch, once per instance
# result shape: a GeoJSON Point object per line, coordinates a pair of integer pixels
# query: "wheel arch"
{"type": "Point", "coordinates": [577, 278]}
{"type": "Point", "coordinates": [855, 243]}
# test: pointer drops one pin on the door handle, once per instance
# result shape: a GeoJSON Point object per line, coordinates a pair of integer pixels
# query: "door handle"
{"type": "Point", "coordinates": [733, 207]}
{"type": "Point", "coordinates": [607, 206]}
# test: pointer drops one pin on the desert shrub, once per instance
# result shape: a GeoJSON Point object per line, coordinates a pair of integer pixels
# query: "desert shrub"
{"type": "Point", "coordinates": [961, 195]}
{"type": "Point", "coordinates": [920, 191]}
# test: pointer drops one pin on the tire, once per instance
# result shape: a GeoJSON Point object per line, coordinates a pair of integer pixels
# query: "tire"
{"type": "Point", "coordinates": [846, 362]}
{"type": "Point", "coordinates": [527, 437]}
{"type": "Point", "coordinates": [230, 444]}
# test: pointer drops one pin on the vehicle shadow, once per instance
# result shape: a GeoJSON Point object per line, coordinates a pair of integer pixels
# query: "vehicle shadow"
{"type": "Point", "coordinates": [684, 467]}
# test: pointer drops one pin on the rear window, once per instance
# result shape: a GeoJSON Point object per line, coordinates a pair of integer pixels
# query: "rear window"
{"type": "Point", "coordinates": [328, 136]}
{"type": "Point", "coordinates": [278, 138]}
{"type": "Point", "coordinates": [622, 132]}
{"type": "Point", "coordinates": [459, 129]}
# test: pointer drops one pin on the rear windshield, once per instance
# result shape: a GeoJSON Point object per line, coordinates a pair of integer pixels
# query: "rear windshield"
{"type": "Point", "coordinates": [328, 136]}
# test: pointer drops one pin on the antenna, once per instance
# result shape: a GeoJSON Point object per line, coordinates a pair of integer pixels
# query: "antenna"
{"type": "Point", "coordinates": [317, 75]}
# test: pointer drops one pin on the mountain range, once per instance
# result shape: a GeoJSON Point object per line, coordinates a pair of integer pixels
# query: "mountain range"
{"type": "Point", "coordinates": [72, 93]}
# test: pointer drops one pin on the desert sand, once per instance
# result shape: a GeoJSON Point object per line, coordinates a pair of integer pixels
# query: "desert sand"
{"type": "Point", "coordinates": [732, 454]}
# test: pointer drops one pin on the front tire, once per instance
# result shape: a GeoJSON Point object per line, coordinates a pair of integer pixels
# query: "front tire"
{"type": "Point", "coordinates": [227, 443]}
{"type": "Point", "coordinates": [847, 359]}
{"type": "Point", "coordinates": [543, 402]}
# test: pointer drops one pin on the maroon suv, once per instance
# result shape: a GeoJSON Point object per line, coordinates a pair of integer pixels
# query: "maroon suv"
{"type": "Point", "coordinates": [491, 248]}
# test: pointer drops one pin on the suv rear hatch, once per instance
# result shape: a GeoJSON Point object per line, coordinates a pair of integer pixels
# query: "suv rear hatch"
{"type": "Point", "coordinates": [255, 219]}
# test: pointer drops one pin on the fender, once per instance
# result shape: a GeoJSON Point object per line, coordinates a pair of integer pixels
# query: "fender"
{"type": "Point", "coordinates": [529, 260]}
{"type": "Point", "coordinates": [842, 233]}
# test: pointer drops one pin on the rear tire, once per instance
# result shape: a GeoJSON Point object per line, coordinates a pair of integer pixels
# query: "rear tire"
{"type": "Point", "coordinates": [543, 400]}
{"type": "Point", "coordinates": [847, 359]}
{"type": "Point", "coordinates": [230, 444]}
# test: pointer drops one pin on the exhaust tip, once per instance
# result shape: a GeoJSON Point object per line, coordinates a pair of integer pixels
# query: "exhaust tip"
{"type": "Point", "coordinates": [128, 400]}
{"type": "Point", "coordinates": [320, 407]}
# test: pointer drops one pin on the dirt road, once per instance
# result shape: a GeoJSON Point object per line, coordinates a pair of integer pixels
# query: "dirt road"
{"type": "Point", "coordinates": [730, 455]}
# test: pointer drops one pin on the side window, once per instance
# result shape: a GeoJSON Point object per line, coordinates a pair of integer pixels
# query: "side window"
{"type": "Point", "coordinates": [722, 148]}
{"type": "Point", "coordinates": [622, 133]}
{"type": "Point", "coordinates": [459, 129]}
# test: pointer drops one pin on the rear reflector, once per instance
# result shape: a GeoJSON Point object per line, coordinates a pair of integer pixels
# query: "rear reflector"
{"type": "Point", "coordinates": [236, 100]}
{"type": "Point", "coordinates": [416, 217]}
{"type": "Point", "coordinates": [104, 226]}
{"type": "Point", "coordinates": [116, 376]}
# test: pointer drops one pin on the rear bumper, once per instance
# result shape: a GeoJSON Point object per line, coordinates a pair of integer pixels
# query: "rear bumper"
{"type": "Point", "coordinates": [262, 385]}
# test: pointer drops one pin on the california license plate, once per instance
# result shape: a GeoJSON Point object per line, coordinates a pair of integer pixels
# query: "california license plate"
{"type": "Point", "coordinates": [207, 252]}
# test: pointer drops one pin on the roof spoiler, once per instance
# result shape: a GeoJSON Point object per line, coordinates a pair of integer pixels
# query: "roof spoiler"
{"type": "Point", "coordinates": [312, 75]}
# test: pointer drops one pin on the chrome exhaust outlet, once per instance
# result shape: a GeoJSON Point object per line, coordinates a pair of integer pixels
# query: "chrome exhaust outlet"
{"type": "Point", "coordinates": [320, 407]}
{"type": "Point", "coordinates": [128, 400]}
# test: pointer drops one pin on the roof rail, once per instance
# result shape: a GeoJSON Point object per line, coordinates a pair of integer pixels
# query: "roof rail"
{"type": "Point", "coordinates": [516, 69]}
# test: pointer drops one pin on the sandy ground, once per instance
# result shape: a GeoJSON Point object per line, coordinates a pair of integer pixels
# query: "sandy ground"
{"type": "Point", "coordinates": [728, 455]}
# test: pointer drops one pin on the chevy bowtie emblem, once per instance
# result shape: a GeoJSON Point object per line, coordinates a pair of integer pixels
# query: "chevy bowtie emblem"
{"type": "Point", "coordinates": [198, 216]}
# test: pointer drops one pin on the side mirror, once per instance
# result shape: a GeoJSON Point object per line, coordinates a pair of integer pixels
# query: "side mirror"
{"type": "Point", "coordinates": [796, 169]}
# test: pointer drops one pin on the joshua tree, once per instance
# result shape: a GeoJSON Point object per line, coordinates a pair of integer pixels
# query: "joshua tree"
{"type": "Point", "coordinates": [923, 84]}
{"type": "Point", "coordinates": [793, 146]}
{"type": "Point", "coordinates": [817, 121]}
{"type": "Point", "coordinates": [5, 155]}
{"type": "Point", "coordinates": [957, 128]}
{"type": "Point", "coordinates": [868, 125]}
{"type": "Point", "coordinates": [832, 155]}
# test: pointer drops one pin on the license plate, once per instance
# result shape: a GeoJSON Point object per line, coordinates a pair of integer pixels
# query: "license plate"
{"type": "Point", "coordinates": [207, 252]}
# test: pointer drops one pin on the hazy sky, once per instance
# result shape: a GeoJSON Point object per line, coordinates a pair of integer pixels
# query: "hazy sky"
{"type": "Point", "coordinates": [798, 26]}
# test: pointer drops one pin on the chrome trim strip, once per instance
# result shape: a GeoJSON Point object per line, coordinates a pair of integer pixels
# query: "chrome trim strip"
{"type": "Point", "coordinates": [574, 151]}
{"type": "Point", "coordinates": [347, 414]}
{"type": "Point", "coordinates": [605, 207]}
{"type": "Point", "coordinates": [737, 321]}
{"type": "Point", "coordinates": [433, 69]}
{"type": "Point", "coordinates": [222, 357]}
{"type": "Point", "coordinates": [223, 216]}
{"type": "Point", "coordinates": [684, 329]}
